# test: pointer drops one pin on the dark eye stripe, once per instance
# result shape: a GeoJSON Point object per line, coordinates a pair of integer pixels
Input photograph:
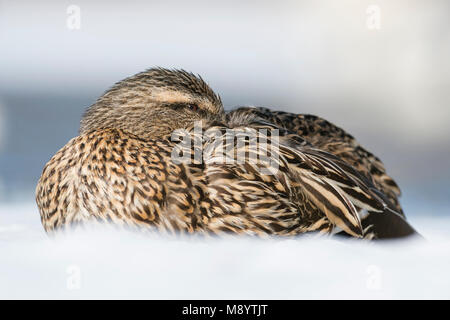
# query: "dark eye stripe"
{"type": "Point", "coordinates": [191, 106]}
{"type": "Point", "coordinates": [176, 106]}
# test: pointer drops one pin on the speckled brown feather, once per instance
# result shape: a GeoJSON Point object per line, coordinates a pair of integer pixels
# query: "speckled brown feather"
{"type": "Point", "coordinates": [121, 168]}
{"type": "Point", "coordinates": [112, 176]}
{"type": "Point", "coordinates": [328, 137]}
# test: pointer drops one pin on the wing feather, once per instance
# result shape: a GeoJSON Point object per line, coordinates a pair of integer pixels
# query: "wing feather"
{"type": "Point", "coordinates": [334, 187]}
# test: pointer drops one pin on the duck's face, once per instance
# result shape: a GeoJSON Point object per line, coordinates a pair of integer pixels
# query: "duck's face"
{"type": "Point", "coordinates": [154, 103]}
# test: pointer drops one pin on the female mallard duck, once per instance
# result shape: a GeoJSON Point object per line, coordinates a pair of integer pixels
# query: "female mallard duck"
{"type": "Point", "coordinates": [123, 168]}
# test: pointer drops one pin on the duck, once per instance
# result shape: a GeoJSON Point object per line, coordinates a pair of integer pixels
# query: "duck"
{"type": "Point", "coordinates": [157, 152]}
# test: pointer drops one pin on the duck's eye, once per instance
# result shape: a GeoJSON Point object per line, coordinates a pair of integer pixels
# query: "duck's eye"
{"type": "Point", "coordinates": [193, 107]}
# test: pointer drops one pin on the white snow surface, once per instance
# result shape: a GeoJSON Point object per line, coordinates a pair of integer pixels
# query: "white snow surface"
{"type": "Point", "coordinates": [109, 264]}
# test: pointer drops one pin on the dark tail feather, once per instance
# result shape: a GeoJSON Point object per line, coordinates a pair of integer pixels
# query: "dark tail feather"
{"type": "Point", "coordinates": [388, 225]}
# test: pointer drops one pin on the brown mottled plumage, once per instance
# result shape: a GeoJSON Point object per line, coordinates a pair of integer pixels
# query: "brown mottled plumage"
{"type": "Point", "coordinates": [325, 136]}
{"type": "Point", "coordinates": [121, 169]}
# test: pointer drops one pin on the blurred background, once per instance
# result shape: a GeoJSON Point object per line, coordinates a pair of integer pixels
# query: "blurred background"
{"type": "Point", "coordinates": [379, 69]}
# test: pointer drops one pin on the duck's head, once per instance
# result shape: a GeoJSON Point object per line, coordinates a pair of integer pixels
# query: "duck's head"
{"type": "Point", "coordinates": [154, 103]}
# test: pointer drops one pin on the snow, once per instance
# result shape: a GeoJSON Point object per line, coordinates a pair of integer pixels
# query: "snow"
{"type": "Point", "coordinates": [105, 263]}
